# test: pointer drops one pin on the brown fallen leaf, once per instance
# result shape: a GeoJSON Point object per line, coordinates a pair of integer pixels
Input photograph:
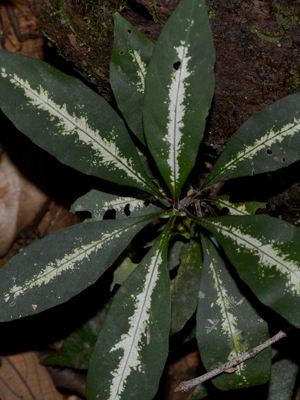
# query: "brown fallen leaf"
{"type": "Point", "coordinates": [22, 377]}
{"type": "Point", "coordinates": [20, 202]}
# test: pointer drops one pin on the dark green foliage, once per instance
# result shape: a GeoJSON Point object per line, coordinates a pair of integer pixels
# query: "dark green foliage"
{"type": "Point", "coordinates": [218, 264]}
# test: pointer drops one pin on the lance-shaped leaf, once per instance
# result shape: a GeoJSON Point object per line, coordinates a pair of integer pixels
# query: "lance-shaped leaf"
{"type": "Point", "coordinates": [267, 141]}
{"type": "Point", "coordinates": [97, 203]}
{"type": "Point", "coordinates": [283, 379]}
{"type": "Point", "coordinates": [52, 270]}
{"type": "Point", "coordinates": [131, 53]}
{"type": "Point", "coordinates": [132, 347]}
{"type": "Point", "coordinates": [178, 91]}
{"type": "Point", "coordinates": [246, 208]}
{"type": "Point", "coordinates": [70, 121]}
{"type": "Point", "coordinates": [184, 288]}
{"type": "Point", "coordinates": [227, 325]}
{"type": "Point", "coordinates": [266, 253]}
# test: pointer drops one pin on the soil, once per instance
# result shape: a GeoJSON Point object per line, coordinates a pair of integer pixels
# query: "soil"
{"type": "Point", "coordinates": [257, 46]}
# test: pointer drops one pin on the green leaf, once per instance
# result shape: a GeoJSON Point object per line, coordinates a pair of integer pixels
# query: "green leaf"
{"type": "Point", "coordinates": [266, 253]}
{"type": "Point", "coordinates": [133, 345]}
{"type": "Point", "coordinates": [131, 53]}
{"type": "Point", "coordinates": [199, 393]}
{"type": "Point", "coordinates": [70, 121]}
{"type": "Point", "coordinates": [269, 140]}
{"type": "Point", "coordinates": [178, 91]}
{"type": "Point", "coordinates": [246, 208]}
{"type": "Point", "coordinates": [184, 287]}
{"type": "Point", "coordinates": [283, 380]}
{"type": "Point", "coordinates": [52, 270]}
{"type": "Point", "coordinates": [175, 248]}
{"type": "Point", "coordinates": [123, 271]}
{"type": "Point", "coordinates": [97, 203]}
{"type": "Point", "coordinates": [227, 325]}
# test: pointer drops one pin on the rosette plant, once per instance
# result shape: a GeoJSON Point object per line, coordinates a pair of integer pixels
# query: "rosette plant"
{"type": "Point", "coordinates": [164, 92]}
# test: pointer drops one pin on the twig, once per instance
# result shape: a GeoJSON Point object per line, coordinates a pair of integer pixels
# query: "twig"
{"type": "Point", "coordinates": [187, 385]}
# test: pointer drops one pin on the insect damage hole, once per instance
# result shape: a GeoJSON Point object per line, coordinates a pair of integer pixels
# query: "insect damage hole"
{"type": "Point", "coordinates": [176, 65]}
{"type": "Point", "coordinates": [269, 151]}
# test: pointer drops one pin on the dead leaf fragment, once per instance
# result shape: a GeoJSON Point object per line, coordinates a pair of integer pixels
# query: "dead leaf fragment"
{"type": "Point", "coordinates": [22, 377]}
{"type": "Point", "coordinates": [20, 202]}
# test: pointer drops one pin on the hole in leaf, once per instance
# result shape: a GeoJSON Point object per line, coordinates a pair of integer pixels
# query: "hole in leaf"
{"type": "Point", "coordinates": [83, 215]}
{"type": "Point", "coordinates": [283, 159]}
{"type": "Point", "coordinates": [129, 30]}
{"type": "Point", "coordinates": [110, 214]}
{"type": "Point", "coordinates": [269, 151]}
{"type": "Point", "coordinates": [224, 211]}
{"type": "Point", "coordinates": [176, 65]}
{"type": "Point", "coordinates": [127, 210]}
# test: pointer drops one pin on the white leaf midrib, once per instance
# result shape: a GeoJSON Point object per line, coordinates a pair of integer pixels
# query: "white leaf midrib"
{"type": "Point", "coordinates": [254, 148]}
{"type": "Point", "coordinates": [29, 283]}
{"type": "Point", "coordinates": [76, 126]}
{"type": "Point", "coordinates": [231, 328]}
{"type": "Point", "coordinates": [258, 249]}
{"type": "Point", "coordinates": [135, 335]}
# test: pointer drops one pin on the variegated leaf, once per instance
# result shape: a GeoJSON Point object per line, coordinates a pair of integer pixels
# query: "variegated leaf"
{"type": "Point", "coordinates": [178, 91]}
{"type": "Point", "coordinates": [267, 141]}
{"type": "Point", "coordinates": [52, 270]}
{"type": "Point", "coordinates": [97, 203]}
{"type": "Point", "coordinates": [131, 53]}
{"type": "Point", "coordinates": [266, 253]}
{"type": "Point", "coordinates": [246, 208]}
{"type": "Point", "coordinates": [227, 325]}
{"type": "Point", "coordinates": [184, 287]}
{"type": "Point", "coordinates": [69, 120]}
{"type": "Point", "coordinates": [133, 344]}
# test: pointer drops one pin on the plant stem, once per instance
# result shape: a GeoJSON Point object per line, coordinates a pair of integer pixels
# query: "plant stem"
{"type": "Point", "coordinates": [187, 385]}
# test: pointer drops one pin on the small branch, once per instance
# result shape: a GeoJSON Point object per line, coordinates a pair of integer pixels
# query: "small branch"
{"type": "Point", "coordinates": [187, 385]}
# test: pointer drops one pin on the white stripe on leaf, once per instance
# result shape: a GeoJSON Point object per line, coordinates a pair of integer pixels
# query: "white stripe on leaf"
{"type": "Point", "coordinates": [131, 343]}
{"type": "Point", "coordinates": [229, 323]}
{"type": "Point", "coordinates": [105, 151]}
{"type": "Point", "coordinates": [120, 203]}
{"type": "Point", "coordinates": [269, 255]}
{"type": "Point", "coordinates": [141, 70]}
{"type": "Point", "coordinates": [229, 320]}
{"type": "Point", "coordinates": [177, 103]}
{"type": "Point", "coordinates": [265, 142]}
{"type": "Point", "coordinates": [58, 266]}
